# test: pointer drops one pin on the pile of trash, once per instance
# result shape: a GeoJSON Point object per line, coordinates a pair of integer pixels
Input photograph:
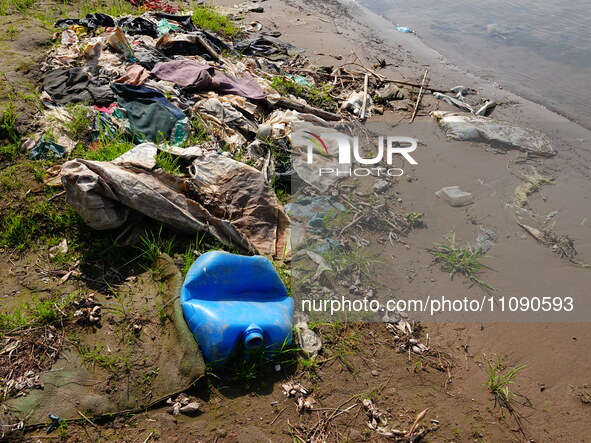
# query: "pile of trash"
{"type": "Point", "coordinates": [223, 111]}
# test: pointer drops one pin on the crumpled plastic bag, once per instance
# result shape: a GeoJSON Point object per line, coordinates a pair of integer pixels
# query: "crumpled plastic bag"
{"type": "Point", "coordinates": [310, 172]}
{"type": "Point", "coordinates": [464, 127]}
{"type": "Point", "coordinates": [226, 114]}
{"type": "Point", "coordinates": [227, 198]}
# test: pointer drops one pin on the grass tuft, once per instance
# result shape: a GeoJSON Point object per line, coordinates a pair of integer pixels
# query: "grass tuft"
{"type": "Point", "coordinates": [8, 132]}
{"type": "Point", "coordinates": [78, 125]}
{"type": "Point", "coordinates": [152, 244]}
{"type": "Point", "coordinates": [314, 95]}
{"type": "Point", "coordinates": [458, 260]}
{"type": "Point", "coordinates": [207, 17]}
{"type": "Point", "coordinates": [114, 8]}
{"type": "Point", "coordinates": [415, 219]}
{"type": "Point", "coordinates": [169, 163]}
{"type": "Point", "coordinates": [498, 382]}
{"type": "Point", "coordinates": [16, 232]}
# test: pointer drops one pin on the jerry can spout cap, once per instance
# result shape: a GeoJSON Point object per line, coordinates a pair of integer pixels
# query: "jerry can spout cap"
{"type": "Point", "coordinates": [253, 337]}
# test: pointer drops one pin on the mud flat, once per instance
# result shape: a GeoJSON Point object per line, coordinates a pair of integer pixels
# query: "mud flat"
{"type": "Point", "coordinates": [363, 361]}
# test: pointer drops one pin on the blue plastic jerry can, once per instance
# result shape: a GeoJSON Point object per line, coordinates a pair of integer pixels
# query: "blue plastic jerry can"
{"type": "Point", "coordinates": [233, 302]}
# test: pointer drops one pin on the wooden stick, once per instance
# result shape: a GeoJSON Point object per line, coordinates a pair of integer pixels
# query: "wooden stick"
{"type": "Point", "coordinates": [414, 85]}
{"type": "Point", "coordinates": [208, 48]}
{"type": "Point", "coordinates": [283, 102]}
{"type": "Point", "coordinates": [277, 416]}
{"type": "Point", "coordinates": [414, 113]}
{"type": "Point", "coordinates": [364, 105]}
{"type": "Point", "coordinates": [87, 419]}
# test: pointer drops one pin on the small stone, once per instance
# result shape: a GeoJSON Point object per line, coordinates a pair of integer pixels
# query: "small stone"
{"type": "Point", "coordinates": [381, 186]}
{"type": "Point", "coordinates": [390, 92]}
{"type": "Point", "coordinates": [375, 373]}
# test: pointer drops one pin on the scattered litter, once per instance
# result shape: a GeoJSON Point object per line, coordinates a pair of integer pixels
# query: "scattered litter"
{"type": "Point", "coordinates": [381, 186]}
{"type": "Point", "coordinates": [455, 196]}
{"type": "Point", "coordinates": [56, 422]}
{"type": "Point", "coordinates": [88, 311]}
{"type": "Point", "coordinates": [533, 181]}
{"type": "Point", "coordinates": [156, 5]}
{"type": "Point", "coordinates": [264, 46]}
{"type": "Point", "coordinates": [551, 215]}
{"type": "Point", "coordinates": [560, 244]}
{"type": "Point", "coordinates": [119, 43]}
{"type": "Point", "coordinates": [182, 405]}
{"type": "Point", "coordinates": [461, 101]}
{"type": "Point", "coordinates": [61, 248]}
{"type": "Point", "coordinates": [309, 343]}
{"type": "Point", "coordinates": [376, 417]}
{"type": "Point", "coordinates": [389, 92]}
{"type": "Point", "coordinates": [292, 389]}
{"type": "Point", "coordinates": [506, 135]}
{"type": "Point", "coordinates": [46, 148]}
{"type": "Point", "coordinates": [485, 239]}
{"type": "Point", "coordinates": [303, 397]}
{"type": "Point", "coordinates": [355, 103]}
{"type": "Point", "coordinates": [323, 266]}
{"type": "Point", "coordinates": [404, 29]}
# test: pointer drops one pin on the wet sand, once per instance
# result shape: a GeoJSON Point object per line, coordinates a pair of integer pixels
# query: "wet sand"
{"type": "Point", "coordinates": [555, 351]}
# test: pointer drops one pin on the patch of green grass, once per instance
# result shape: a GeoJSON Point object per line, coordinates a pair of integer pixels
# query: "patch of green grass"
{"type": "Point", "coordinates": [12, 148]}
{"type": "Point", "coordinates": [46, 312]}
{"type": "Point", "coordinates": [153, 243]}
{"type": "Point", "coordinates": [96, 356]}
{"type": "Point", "coordinates": [8, 132]}
{"type": "Point", "coordinates": [40, 312]}
{"type": "Point", "coordinates": [199, 132]}
{"type": "Point", "coordinates": [207, 17]}
{"type": "Point", "coordinates": [114, 8]}
{"type": "Point", "coordinates": [148, 377]}
{"type": "Point", "coordinates": [498, 382]}
{"type": "Point", "coordinates": [37, 168]}
{"type": "Point", "coordinates": [458, 260]}
{"type": "Point", "coordinates": [108, 146]}
{"type": "Point", "coordinates": [16, 319]}
{"type": "Point", "coordinates": [8, 7]}
{"type": "Point", "coordinates": [188, 260]}
{"type": "Point", "coordinates": [161, 310]}
{"type": "Point", "coordinates": [318, 96]}
{"type": "Point", "coordinates": [169, 163]}
{"type": "Point", "coordinates": [12, 32]}
{"type": "Point", "coordinates": [415, 219]}
{"type": "Point", "coordinates": [78, 125]}
{"type": "Point", "coordinates": [16, 232]}
{"type": "Point", "coordinates": [284, 272]}
{"type": "Point", "coordinates": [347, 261]}
{"type": "Point", "coordinates": [9, 180]}
{"type": "Point", "coordinates": [10, 151]}
{"type": "Point", "coordinates": [107, 152]}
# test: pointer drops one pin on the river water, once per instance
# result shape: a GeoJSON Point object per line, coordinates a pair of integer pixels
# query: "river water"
{"type": "Point", "coordinates": [539, 49]}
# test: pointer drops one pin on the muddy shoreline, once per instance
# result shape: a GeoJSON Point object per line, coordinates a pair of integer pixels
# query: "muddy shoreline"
{"type": "Point", "coordinates": [362, 361]}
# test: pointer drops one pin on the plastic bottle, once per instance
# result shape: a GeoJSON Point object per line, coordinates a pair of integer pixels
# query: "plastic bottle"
{"type": "Point", "coordinates": [235, 302]}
